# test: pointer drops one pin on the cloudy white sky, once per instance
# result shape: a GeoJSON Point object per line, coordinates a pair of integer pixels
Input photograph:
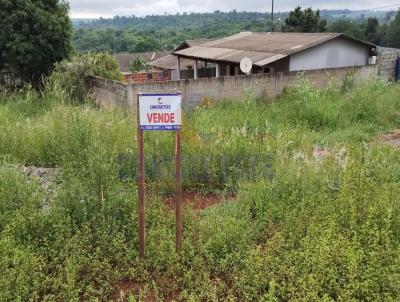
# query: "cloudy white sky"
{"type": "Point", "coordinates": [109, 8]}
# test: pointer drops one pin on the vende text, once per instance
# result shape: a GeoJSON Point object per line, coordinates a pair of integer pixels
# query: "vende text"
{"type": "Point", "coordinates": [161, 118]}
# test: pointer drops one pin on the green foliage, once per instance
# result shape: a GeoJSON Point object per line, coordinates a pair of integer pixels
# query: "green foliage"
{"type": "Point", "coordinates": [348, 27]}
{"type": "Point", "coordinates": [306, 21]}
{"type": "Point", "coordinates": [300, 228]}
{"type": "Point", "coordinates": [139, 64]}
{"type": "Point", "coordinates": [372, 30]}
{"type": "Point", "coordinates": [368, 30]}
{"type": "Point", "coordinates": [17, 195]}
{"type": "Point", "coordinates": [71, 78]}
{"type": "Point", "coordinates": [393, 32]}
{"type": "Point", "coordinates": [151, 33]}
{"type": "Point", "coordinates": [328, 233]}
{"type": "Point", "coordinates": [34, 35]}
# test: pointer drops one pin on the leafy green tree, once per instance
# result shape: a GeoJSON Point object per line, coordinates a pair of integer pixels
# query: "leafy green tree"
{"type": "Point", "coordinates": [393, 32]}
{"type": "Point", "coordinates": [346, 26]}
{"type": "Point", "coordinates": [372, 30]}
{"type": "Point", "coordinates": [145, 44]}
{"type": "Point", "coordinates": [34, 35]}
{"type": "Point", "coordinates": [305, 20]}
{"type": "Point", "coordinates": [139, 64]}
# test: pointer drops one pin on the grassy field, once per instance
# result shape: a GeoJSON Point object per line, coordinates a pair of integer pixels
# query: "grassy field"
{"type": "Point", "coordinates": [316, 213]}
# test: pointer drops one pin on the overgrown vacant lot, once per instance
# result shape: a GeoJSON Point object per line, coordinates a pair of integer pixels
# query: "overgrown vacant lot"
{"type": "Point", "coordinates": [316, 213]}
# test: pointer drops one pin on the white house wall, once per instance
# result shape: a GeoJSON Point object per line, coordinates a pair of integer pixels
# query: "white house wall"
{"type": "Point", "coordinates": [335, 53]}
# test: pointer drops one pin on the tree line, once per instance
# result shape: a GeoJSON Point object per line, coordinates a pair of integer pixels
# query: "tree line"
{"type": "Point", "coordinates": [152, 33]}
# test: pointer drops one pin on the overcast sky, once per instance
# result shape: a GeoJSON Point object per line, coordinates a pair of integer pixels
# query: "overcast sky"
{"type": "Point", "coordinates": [109, 8]}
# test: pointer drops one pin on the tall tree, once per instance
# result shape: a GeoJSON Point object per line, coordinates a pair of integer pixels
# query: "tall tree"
{"type": "Point", "coordinates": [372, 30]}
{"type": "Point", "coordinates": [34, 35]}
{"type": "Point", "coordinates": [305, 20]}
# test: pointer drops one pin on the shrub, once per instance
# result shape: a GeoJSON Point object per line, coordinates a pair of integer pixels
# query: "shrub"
{"type": "Point", "coordinates": [70, 80]}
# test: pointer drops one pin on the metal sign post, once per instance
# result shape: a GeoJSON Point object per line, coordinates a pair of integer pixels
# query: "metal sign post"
{"type": "Point", "coordinates": [159, 112]}
{"type": "Point", "coordinates": [140, 183]}
{"type": "Point", "coordinates": [178, 196]}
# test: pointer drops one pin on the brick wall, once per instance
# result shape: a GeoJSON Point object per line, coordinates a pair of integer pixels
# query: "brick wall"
{"type": "Point", "coordinates": [151, 76]}
{"type": "Point", "coordinates": [237, 88]}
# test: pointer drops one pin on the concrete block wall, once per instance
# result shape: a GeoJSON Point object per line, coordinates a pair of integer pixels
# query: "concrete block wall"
{"type": "Point", "coordinates": [107, 93]}
{"type": "Point", "coordinates": [387, 63]}
{"type": "Point", "coordinates": [236, 88]}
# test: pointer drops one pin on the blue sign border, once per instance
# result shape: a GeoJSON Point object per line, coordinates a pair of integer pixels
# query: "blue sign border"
{"type": "Point", "coordinates": [160, 94]}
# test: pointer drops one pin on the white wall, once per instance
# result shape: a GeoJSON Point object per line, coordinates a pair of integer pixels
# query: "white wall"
{"type": "Point", "coordinates": [332, 54]}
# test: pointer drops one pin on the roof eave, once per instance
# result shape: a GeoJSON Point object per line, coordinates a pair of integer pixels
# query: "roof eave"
{"type": "Point", "coordinates": [358, 40]}
{"type": "Point", "coordinates": [204, 59]}
{"type": "Point", "coordinates": [180, 46]}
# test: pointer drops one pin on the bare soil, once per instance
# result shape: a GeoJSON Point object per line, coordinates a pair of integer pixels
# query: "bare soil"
{"type": "Point", "coordinates": [125, 288]}
{"type": "Point", "coordinates": [320, 153]}
{"type": "Point", "coordinates": [392, 138]}
{"type": "Point", "coordinates": [48, 178]}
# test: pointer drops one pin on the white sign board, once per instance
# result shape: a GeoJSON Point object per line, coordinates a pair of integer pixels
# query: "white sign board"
{"type": "Point", "coordinates": [160, 111]}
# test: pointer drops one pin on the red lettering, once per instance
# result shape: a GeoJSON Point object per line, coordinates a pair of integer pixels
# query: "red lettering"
{"type": "Point", "coordinates": [161, 118]}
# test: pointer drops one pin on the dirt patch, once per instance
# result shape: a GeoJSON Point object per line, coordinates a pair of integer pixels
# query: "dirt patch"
{"type": "Point", "coordinates": [198, 201]}
{"type": "Point", "coordinates": [48, 179]}
{"type": "Point", "coordinates": [320, 153]}
{"type": "Point", "coordinates": [392, 138]}
{"type": "Point", "coordinates": [126, 288]}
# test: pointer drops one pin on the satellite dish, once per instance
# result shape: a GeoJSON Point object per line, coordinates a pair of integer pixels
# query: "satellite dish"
{"type": "Point", "coordinates": [246, 64]}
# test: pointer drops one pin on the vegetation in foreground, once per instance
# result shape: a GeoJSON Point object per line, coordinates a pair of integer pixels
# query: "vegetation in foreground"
{"type": "Point", "coordinates": [302, 227]}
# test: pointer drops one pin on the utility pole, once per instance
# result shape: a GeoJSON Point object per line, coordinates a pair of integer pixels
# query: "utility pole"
{"type": "Point", "coordinates": [272, 17]}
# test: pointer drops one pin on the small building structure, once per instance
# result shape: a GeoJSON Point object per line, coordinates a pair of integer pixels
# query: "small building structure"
{"type": "Point", "coordinates": [125, 61]}
{"type": "Point", "coordinates": [186, 69]}
{"type": "Point", "coordinates": [168, 65]}
{"type": "Point", "coordinates": [275, 52]}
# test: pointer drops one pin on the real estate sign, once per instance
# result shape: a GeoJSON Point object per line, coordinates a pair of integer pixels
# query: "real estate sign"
{"type": "Point", "coordinates": [160, 111]}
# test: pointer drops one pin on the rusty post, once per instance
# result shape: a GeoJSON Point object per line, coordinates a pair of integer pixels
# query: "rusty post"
{"type": "Point", "coordinates": [178, 196]}
{"type": "Point", "coordinates": [140, 183]}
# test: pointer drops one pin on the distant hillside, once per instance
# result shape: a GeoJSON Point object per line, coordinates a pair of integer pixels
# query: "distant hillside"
{"type": "Point", "coordinates": [185, 20]}
{"type": "Point", "coordinates": [191, 20]}
{"type": "Point", "coordinates": [164, 32]}
{"type": "Point", "coordinates": [382, 16]}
